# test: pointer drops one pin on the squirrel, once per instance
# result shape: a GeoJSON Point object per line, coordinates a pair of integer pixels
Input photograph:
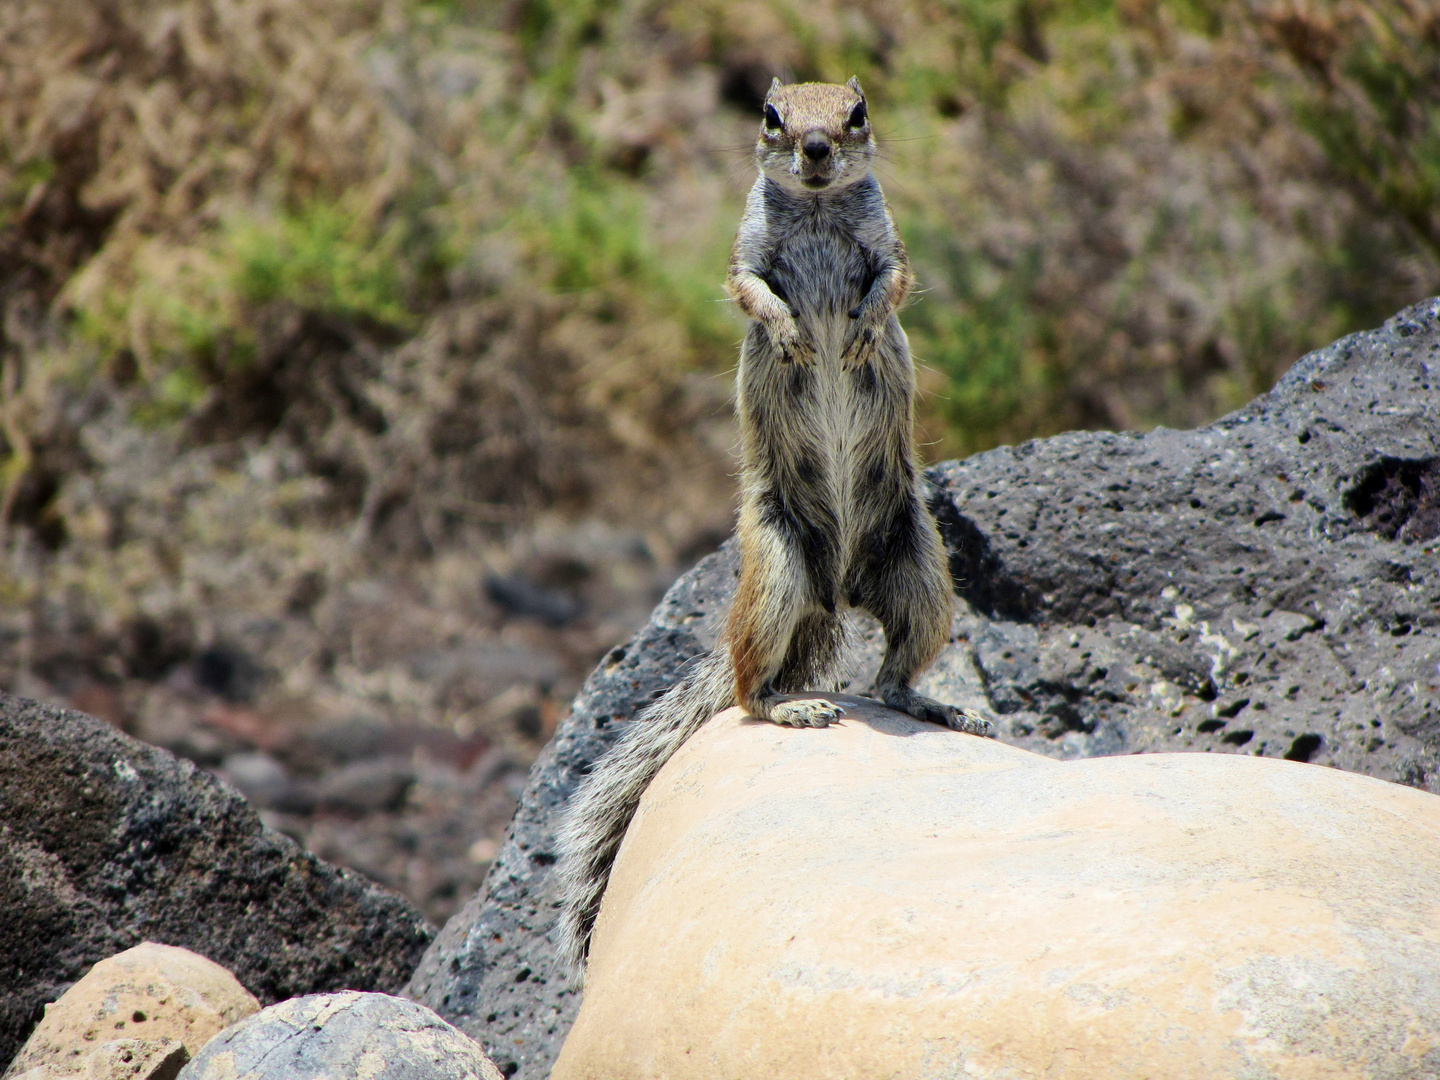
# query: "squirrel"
{"type": "Point", "coordinates": [832, 511]}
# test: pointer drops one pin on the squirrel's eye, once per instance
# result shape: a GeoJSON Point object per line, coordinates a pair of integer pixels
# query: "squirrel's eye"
{"type": "Point", "coordinates": [772, 118]}
{"type": "Point", "coordinates": [858, 116]}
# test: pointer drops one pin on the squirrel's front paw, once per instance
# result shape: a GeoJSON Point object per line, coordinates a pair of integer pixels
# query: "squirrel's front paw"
{"type": "Point", "coordinates": [792, 343]}
{"type": "Point", "coordinates": [860, 344]}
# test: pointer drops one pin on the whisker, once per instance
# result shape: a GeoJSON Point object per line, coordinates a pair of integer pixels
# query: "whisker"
{"type": "Point", "coordinates": [739, 169]}
{"type": "Point", "coordinates": [729, 148]}
{"type": "Point", "coordinates": [914, 118]}
{"type": "Point", "coordinates": [890, 176]}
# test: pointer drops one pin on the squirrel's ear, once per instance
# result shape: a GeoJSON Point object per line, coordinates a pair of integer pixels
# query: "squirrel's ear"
{"type": "Point", "coordinates": [775, 84]}
{"type": "Point", "coordinates": [854, 84]}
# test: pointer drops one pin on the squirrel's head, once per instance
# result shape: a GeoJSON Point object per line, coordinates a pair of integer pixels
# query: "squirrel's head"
{"type": "Point", "coordinates": [815, 136]}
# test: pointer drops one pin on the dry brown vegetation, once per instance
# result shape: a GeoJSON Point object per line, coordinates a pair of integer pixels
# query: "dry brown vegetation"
{"type": "Point", "coordinates": [316, 314]}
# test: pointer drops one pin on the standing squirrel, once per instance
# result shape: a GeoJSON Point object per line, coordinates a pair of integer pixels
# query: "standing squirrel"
{"type": "Point", "coordinates": [831, 509]}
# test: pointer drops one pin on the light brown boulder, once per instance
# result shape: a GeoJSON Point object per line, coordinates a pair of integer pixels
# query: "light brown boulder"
{"type": "Point", "coordinates": [883, 898]}
{"type": "Point", "coordinates": [138, 1015]}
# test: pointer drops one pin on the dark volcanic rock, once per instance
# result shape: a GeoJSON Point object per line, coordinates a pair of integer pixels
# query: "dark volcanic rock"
{"type": "Point", "coordinates": [106, 842]}
{"type": "Point", "coordinates": [1268, 584]}
{"type": "Point", "coordinates": [325, 1036]}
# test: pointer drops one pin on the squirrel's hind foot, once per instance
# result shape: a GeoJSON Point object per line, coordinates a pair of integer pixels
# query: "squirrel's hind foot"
{"type": "Point", "coordinates": [808, 712]}
{"type": "Point", "coordinates": [970, 721]}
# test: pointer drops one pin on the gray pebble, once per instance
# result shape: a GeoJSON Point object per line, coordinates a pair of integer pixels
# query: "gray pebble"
{"type": "Point", "coordinates": [364, 787]}
{"type": "Point", "coordinates": [257, 776]}
{"type": "Point", "coordinates": [345, 1034]}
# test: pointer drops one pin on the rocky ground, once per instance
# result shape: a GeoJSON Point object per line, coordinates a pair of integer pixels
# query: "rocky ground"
{"type": "Point", "coordinates": [161, 1012]}
{"type": "Point", "coordinates": [106, 842]}
{"type": "Point", "coordinates": [1266, 585]}
{"type": "Point", "coordinates": [406, 761]}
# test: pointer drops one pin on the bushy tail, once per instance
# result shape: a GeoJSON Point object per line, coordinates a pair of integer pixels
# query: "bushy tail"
{"type": "Point", "coordinates": [603, 804]}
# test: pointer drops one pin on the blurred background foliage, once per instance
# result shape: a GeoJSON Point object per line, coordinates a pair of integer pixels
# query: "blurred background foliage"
{"type": "Point", "coordinates": [297, 292]}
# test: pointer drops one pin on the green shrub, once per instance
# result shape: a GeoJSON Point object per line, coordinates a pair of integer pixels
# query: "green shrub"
{"type": "Point", "coordinates": [325, 257]}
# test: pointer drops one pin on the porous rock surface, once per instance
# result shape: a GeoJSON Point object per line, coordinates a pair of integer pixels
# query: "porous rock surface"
{"type": "Point", "coordinates": [325, 1036]}
{"type": "Point", "coordinates": [142, 1013]}
{"type": "Point", "coordinates": [1266, 585]}
{"type": "Point", "coordinates": [106, 842]}
{"type": "Point", "coordinates": [888, 899]}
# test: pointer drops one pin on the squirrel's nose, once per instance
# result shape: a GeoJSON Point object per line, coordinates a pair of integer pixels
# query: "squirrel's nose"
{"type": "Point", "coordinates": [816, 146]}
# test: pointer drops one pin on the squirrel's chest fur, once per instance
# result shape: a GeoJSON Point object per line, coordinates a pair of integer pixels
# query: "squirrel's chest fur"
{"type": "Point", "coordinates": [828, 438]}
{"type": "Point", "coordinates": [819, 263]}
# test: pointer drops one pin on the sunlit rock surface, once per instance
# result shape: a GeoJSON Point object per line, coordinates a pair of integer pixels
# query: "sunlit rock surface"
{"type": "Point", "coordinates": [887, 899]}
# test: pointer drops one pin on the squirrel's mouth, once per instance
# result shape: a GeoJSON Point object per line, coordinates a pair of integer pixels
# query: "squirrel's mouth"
{"type": "Point", "coordinates": [815, 183]}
